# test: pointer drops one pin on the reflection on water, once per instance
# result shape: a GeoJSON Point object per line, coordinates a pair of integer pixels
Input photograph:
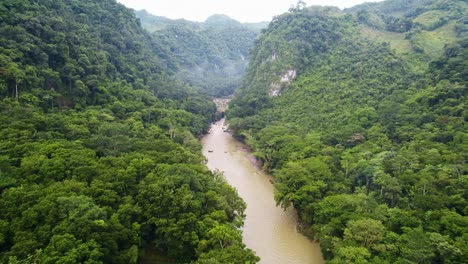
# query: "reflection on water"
{"type": "Point", "coordinates": [268, 230]}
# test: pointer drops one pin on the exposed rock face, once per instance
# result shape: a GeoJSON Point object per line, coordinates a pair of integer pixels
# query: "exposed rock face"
{"type": "Point", "coordinates": [285, 80]}
{"type": "Point", "coordinates": [289, 76]}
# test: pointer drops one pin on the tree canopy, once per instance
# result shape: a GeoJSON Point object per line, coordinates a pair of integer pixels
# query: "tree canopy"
{"type": "Point", "coordinates": [99, 152]}
{"type": "Point", "coordinates": [367, 139]}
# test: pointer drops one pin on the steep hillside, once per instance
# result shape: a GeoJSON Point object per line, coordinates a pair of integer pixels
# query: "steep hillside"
{"type": "Point", "coordinates": [426, 25]}
{"type": "Point", "coordinates": [365, 136]}
{"type": "Point", "coordinates": [99, 157]}
{"type": "Point", "coordinates": [212, 55]}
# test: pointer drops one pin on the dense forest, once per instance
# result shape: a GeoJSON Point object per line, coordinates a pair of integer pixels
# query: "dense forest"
{"type": "Point", "coordinates": [211, 56]}
{"type": "Point", "coordinates": [360, 115]}
{"type": "Point", "coordinates": [99, 152]}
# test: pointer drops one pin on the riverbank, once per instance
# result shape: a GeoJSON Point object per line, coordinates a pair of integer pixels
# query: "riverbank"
{"type": "Point", "coordinates": [269, 230]}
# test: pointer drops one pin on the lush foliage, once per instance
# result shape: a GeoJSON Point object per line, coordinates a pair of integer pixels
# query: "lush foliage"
{"type": "Point", "coordinates": [426, 25]}
{"type": "Point", "coordinates": [212, 55]}
{"type": "Point", "coordinates": [99, 157]}
{"type": "Point", "coordinates": [369, 145]}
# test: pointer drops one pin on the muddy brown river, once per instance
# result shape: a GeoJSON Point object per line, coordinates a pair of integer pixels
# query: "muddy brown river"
{"type": "Point", "coordinates": [269, 230]}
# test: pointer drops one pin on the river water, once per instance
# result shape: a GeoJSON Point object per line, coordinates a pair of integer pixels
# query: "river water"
{"type": "Point", "coordinates": [269, 230]}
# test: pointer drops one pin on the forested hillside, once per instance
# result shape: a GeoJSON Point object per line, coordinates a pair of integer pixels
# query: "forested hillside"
{"type": "Point", "coordinates": [360, 115]}
{"type": "Point", "coordinates": [99, 156]}
{"type": "Point", "coordinates": [212, 55]}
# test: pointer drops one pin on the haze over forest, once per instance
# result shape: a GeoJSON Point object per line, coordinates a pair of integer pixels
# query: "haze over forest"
{"type": "Point", "coordinates": [359, 116]}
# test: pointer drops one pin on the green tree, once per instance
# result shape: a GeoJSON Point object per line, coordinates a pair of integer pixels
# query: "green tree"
{"type": "Point", "coordinates": [13, 72]}
{"type": "Point", "coordinates": [416, 245]}
{"type": "Point", "coordinates": [367, 233]}
{"type": "Point", "coordinates": [350, 254]}
{"type": "Point", "coordinates": [67, 249]}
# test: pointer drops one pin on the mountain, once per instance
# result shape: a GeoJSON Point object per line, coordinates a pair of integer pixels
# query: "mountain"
{"type": "Point", "coordinates": [360, 116]}
{"type": "Point", "coordinates": [420, 27]}
{"type": "Point", "coordinates": [99, 154]}
{"type": "Point", "coordinates": [212, 55]}
{"type": "Point", "coordinates": [219, 20]}
{"type": "Point", "coordinates": [154, 23]}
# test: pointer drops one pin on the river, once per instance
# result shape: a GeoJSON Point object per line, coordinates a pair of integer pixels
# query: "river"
{"type": "Point", "coordinates": [269, 230]}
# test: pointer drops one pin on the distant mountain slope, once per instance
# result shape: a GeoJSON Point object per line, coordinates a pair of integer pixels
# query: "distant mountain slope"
{"type": "Point", "coordinates": [425, 25]}
{"type": "Point", "coordinates": [360, 115]}
{"type": "Point", "coordinates": [212, 55]}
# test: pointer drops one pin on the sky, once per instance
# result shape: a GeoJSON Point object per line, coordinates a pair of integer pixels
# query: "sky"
{"type": "Point", "coordinates": [241, 10]}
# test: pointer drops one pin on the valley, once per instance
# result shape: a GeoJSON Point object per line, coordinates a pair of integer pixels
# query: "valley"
{"type": "Point", "coordinates": [345, 126]}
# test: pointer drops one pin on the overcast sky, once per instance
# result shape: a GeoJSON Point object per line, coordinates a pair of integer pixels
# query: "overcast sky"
{"type": "Point", "coordinates": [241, 10]}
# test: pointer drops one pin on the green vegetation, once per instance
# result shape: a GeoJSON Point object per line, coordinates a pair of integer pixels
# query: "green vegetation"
{"type": "Point", "coordinates": [360, 115]}
{"type": "Point", "coordinates": [431, 18]}
{"type": "Point", "coordinates": [397, 41]}
{"type": "Point", "coordinates": [153, 23]}
{"type": "Point", "coordinates": [212, 55]}
{"type": "Point", "coordinates": [428, 25]}
{"type": "Point", "coordinates": [369, 141]}
{"type": "Point", "coordinates": [432, 43]}
{"type": "Point", "coordinates": [99, 157]}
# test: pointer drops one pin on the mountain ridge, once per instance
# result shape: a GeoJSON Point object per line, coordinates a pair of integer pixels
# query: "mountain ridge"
{"type": "Point", "coordinates": [211, 55]}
